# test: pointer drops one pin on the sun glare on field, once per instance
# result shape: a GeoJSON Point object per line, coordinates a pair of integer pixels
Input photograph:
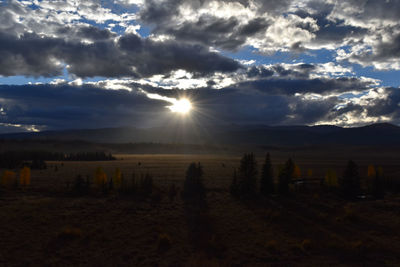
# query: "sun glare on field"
{"type": "Point", "coordinates": [181, 106]}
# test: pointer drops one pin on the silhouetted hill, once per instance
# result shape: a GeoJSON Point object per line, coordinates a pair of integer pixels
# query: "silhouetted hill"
{"type": "Point", "coordinates": [375, 134]}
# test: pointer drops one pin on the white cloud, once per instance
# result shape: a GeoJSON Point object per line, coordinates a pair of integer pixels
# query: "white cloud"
{"type": "Point", "coordinates": [247, 62]}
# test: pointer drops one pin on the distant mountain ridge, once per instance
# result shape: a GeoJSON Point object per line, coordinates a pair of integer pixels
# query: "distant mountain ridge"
{"type": "Point", "coordinates": [374, 134]}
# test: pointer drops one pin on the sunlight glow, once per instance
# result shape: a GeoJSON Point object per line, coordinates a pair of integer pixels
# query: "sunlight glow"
{"type": "Point", "coordinates": [182, 106]}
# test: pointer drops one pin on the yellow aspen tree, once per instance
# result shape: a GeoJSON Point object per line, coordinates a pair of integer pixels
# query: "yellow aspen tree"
{"type": "Point", "coordinates": [371, 175]}
{"type": "Point", "coordinates": [100, 177]}
{"type": "Point", "coordinates": [25, 176]}
{"type": "Point", "coordinates": [296, 172]}
{"type": "Point", "coordinates": [117, 180]}
{"type": "Point", "coordinates": [380, 171]}
{"type": "Point", "coordinates": [371, 172]}
{"type": "Point", "coordinates": [334, 179]}
{"type": "Point", "coordinates": [331, 179]}
{"type": "Point", "coordinates": [9, 178]}
{"type": "Point", "coordinates": [309, 173]}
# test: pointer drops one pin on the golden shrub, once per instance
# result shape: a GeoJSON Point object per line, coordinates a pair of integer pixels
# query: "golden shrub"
{"type": "Point", "coordinates": [296, 172]}
{"type": "Point", "coordinates": [25, 176]}
{"type": "Point", "coordinates": [100, 177]}
{"type": "Point", "coordinates": [371, 173]}
{"type": "Point", "coordinates": [272, 245]}
{"type": "Point", "coordinates": [69, 232]}
{"type": "Point", "coordinates": [9, 178]}
{"type": "Point", "coordinates": [380, 171]}
{"type": "Point", "coordinates": [331, 178]}
{"type": "Point", "coordinates": [164, 242]}
{"type": "Point", "coordinates": [306, 244]}
{"type": "Point", "coordinates": [309, 173]}
{"type": "Point", "coordinates": [117, 178]}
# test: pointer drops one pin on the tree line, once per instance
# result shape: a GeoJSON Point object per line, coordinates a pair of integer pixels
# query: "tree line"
{"type": "Point", "coordinates": [246, 183]}
{"type": "Point", "coordinates": [35, 159]}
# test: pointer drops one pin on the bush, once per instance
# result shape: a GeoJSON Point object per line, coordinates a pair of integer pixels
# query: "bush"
{"type": "Point", "coordinates": [376, 182]}
{"type": "Point", "coordinates": [272, 245]}
{"type": "Point", "coordinates": [38, 164]}
{"type": "Point", "coordinates": [164, 242]}
{"type": "Point", "coordinates": [172, 192]}
{"type": "Point", "coordinates": [9, 179]}
{"type": "Point", "coordinates": [145, 186]}
{"type": "Point", "coordinates": [70, 233]}
{"type": "Point", "coordinates": [80, 186]}
{"type": "Point", "coordinates": [234, 187]}
{"type": "Point", "coordinates": [349, 184]}
{"type": "Point", "coordinates": [306, 245]}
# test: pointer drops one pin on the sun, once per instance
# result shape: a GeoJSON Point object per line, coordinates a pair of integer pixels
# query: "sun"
{"type": "Point", "coordinates": [181, 106]}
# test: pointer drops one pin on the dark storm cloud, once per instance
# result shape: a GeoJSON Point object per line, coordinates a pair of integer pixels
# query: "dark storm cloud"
{"type": "Point", "coordinates": [85, 32]}
{"type": "Point", "coordinates": [226, 33]}
{"type": "Point", "coordinates": [210, 31]}
{"type": "Point", "coordinates": [298, 78]}
{"type": "Point", "coordinates": [162, 11]}
{"type": "Point", "coordinates": [231, 33]}
{"type": "Point", "coordinates": [63, 106]}
{"type": "Point", "coordinates": [152, 57]}
{"type": "Point", "coordinates": [29, 55]}
{"type": "Point", "coordinates": [34, 55]}
{"type": "Point", "coordinates": [329, 31]}
{"type": "Point", "coordinates": [388, 106]}
{"type": "Point", "coordinates": [323, 86]}
{"type": "Point", "coordinates": [384, 52]}
{"type": "Point", "coordinates": [375, 9]}
{"type": "Point", "coordinates": [389, 49]}
{"type": "Point", "coordinates": [259, 72]}
{"type": "Point", "coordinates": [272, 109]}
{"type": "Point", "coordinates": [280, 71]}
{"type": "Point", "coordinates": [246, 106]}
{"type": "Point", "coordinates": [329, 25]}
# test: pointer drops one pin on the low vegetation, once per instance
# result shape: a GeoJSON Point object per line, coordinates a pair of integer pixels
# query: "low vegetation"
{"type": "Point", "coordinates": [284, 215]}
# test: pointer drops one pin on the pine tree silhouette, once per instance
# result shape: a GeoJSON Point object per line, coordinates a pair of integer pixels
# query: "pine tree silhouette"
{"type": "Point", "coordinates": [378, 189]}
{"type": "Point", "coordinates": [285, 176]}
{"type": "Point", "coordinates": [234, 187]}
{"type": "Point", "coordinates": [267, 177]}
{"type": "Point", "coordinates": [247, 176]}
{"type": "Point", "coordinates": [193, 188]}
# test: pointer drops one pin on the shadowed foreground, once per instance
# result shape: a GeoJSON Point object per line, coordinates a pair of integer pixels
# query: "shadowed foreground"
{"type": "Point", "coordinates": [43, 225]}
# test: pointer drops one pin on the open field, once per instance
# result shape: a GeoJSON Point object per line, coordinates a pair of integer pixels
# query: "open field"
{"type": "Point", "coordinates": [44, 226]}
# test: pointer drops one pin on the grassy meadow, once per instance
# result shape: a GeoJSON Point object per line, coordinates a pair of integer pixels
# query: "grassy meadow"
{"type": "Point", "coordinates": [43, 225]}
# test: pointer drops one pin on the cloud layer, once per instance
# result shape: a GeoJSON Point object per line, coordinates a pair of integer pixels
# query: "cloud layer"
{"type": "Point", "coordinates": [107, 56]}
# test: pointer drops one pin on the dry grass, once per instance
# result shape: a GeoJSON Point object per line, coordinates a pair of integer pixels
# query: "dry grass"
{"type": "Point", "coordinates": [43, 226]}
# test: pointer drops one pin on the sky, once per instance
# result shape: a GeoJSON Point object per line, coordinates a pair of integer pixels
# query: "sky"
{"type": "Point", "coordinates": [96, 64]}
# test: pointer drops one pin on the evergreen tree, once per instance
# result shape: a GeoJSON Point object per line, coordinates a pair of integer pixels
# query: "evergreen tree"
{"type": "Point", "coordinates": [350, 182]}
{"type": "Point", "coordinates": [234, 188]}
{"type": "Point", "coordinates": [146, 185]}
{"type": "Point", "coordinates": [267, 177]}
{"type": "Point", "coordinates": [247, 178]}
{"type": "Point", "coordinates": [378, 190]}
{"type": "Point", "coordinates": [285, 176]}
{"type": "Point", "coordinates": [193, 188]}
